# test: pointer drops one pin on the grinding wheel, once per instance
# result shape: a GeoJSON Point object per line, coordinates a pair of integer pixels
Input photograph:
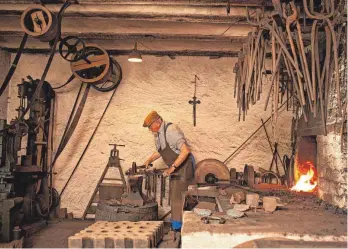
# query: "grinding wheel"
{"type": "Point", "coordinates": [211, 167]}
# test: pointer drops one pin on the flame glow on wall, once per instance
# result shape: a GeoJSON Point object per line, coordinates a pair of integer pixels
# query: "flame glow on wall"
{"type": "Point", "coordinates": [306, 177]}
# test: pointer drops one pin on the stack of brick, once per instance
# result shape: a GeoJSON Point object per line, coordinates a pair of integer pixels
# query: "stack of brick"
{"type": "Point", "coordinates": [121, 234]}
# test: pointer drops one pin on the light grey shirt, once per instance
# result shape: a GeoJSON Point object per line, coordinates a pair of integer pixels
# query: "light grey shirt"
{"type": "Point", "coordinates": [175, 137]}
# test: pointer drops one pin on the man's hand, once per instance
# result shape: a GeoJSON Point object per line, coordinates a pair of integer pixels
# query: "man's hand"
{"type": "Point", "coordinates": [168, 171]}
{"type": "Point", "coordinates": [147, 164]}
{"type": "Point", "coordinates": [150, 169]}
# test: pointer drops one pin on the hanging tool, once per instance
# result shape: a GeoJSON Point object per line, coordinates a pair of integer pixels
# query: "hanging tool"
{"type": "Point", "coordinates": [275, 151]}
{"type": "Point", "coordinates": [194, 102]}
{"type": "Point", "coordinates": [275, 159]}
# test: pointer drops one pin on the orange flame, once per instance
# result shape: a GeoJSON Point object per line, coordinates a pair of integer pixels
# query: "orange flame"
{"type": "Point", "coordinates": [305, 177]}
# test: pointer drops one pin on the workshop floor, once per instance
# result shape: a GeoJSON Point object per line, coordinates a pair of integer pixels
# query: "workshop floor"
{"type": "Point", "coordinates": [56, 235]}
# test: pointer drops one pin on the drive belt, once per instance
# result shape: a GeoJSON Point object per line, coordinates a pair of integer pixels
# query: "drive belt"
{"type": "Point", "coordinates": [89, 142]}
{"type": "Point", "coordinates": [14, 64]}
{"type": "Point", "coordinates": [72, 125]}
{"type": "Point", "coordinates": [72, 122]}
{"type": "Point", "coordinates": [72, 77]}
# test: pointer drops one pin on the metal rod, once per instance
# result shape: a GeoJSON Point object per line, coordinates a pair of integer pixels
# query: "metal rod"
{"type": "Point", "coordinates": [270, 145]}
{"type": "Point", "coordinates": [165, 215]}
{"type": "Point", "coordinates": [161, 191]}
{"type": "Point", "coordinates": [234, 152]}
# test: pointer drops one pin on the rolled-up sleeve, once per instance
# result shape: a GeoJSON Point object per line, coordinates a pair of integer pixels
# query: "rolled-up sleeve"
{"type": "Point", "coordinates": [175, 138]}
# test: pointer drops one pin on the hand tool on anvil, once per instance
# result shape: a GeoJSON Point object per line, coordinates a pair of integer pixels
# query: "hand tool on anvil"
{"type": "Point", "coordinates": [144, 166]}
{"type": "Point", "coordinates": [134, 169]}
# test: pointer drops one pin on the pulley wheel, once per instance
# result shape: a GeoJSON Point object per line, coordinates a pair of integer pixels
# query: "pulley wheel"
{"type": "Point", "coordinates": [211, 170]}
{"type": "Point", "coordinates": [94, 66]}
{"type": "Point", "coordinates": [249, 175]}
{"type": "Point", "coordinates": [72, 48]}
{"type": "Point", "coordinates": [113, 81]}
{"type": "Point", "coordinates": [39, 22]}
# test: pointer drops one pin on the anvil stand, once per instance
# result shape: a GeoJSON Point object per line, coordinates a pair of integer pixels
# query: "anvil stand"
{"type": "Point", "coordinates": [114, 161]}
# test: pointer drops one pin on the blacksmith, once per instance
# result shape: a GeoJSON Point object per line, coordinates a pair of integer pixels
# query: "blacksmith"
{"type": "Point", "coordinates": [172, 146]}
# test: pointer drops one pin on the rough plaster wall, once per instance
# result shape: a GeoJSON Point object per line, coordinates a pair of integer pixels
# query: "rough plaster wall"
{"type": "Point", "coordinates": [161, 84]}
{"type": "Point", "coordinates": [332, 170]}
{"type": "Point", "coordinates": [332, 149]}
{"type": "Point", "coordinates": [5, 60]}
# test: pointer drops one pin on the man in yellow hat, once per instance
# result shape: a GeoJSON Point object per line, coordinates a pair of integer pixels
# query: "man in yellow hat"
{"type": "Point", "coordinates": [171, 145]}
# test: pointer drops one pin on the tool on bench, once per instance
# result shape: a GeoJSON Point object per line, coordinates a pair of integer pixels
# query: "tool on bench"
{"type": "Point", "coordinates": [207, 219]}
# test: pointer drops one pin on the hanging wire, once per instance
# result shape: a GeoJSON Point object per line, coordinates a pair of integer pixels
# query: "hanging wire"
{"type": "Point", "coordinates": [237, 21]}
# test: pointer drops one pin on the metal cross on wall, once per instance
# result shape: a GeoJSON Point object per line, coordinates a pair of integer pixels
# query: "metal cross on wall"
{"type": "Point", "coordinates": [194, 101]}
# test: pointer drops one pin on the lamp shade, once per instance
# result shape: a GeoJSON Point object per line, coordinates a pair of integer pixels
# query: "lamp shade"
{"type": "Point", "coordinates": [135, 56]}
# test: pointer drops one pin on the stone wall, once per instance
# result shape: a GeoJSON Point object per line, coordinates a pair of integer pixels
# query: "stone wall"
{"type": "Point", "coordinates": [162, 84]}
{"type": "Point", "coordinates": [5, 60]}
{"type": "Point", "coordinates": [332, 149]}
{"type": "Point", "coordinates": [332, 169]}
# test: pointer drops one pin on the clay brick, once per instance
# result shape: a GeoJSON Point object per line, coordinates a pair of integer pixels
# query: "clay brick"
{"type": "Point", "coordinates": [75, 242]}
{"type": "Point", "coordinates": [142, 234]}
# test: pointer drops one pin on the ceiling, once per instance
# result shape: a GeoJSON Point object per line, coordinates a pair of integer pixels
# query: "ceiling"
{"type": "Point", "coordinates": [215, 28]}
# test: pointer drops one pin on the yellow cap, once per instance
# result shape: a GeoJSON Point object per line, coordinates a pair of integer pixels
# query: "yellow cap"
{"type": "Point", "coordinates": [150, 118]}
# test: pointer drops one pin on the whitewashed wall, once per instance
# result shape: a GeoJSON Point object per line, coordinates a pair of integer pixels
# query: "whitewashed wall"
{"type": "Point", "coordinates": [161, 84]}
{"type": "Point", "coordinates": [332, 169]}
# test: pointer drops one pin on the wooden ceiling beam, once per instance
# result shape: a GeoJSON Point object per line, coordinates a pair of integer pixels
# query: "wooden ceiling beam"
{"type": "Point", "coordinates": [264, 3]}
{"type": "Point", "coordinates": [178, 13]}
{"type": "Point", "coordinates": [213, 54]}
{"type": "Point", "coordinates": [12, 42]}
{"type": "Point", "coordinates": [84, 25]}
